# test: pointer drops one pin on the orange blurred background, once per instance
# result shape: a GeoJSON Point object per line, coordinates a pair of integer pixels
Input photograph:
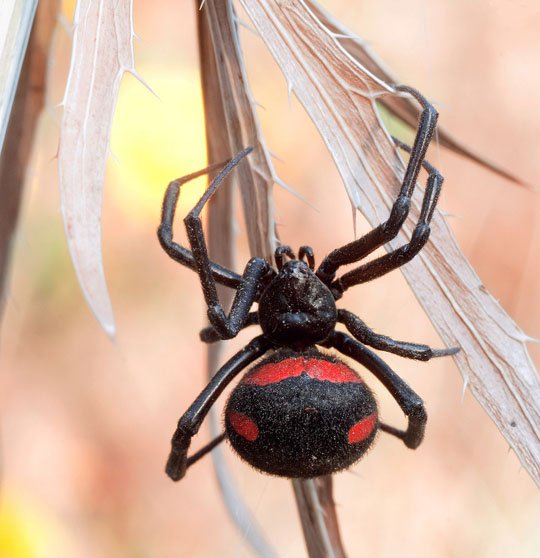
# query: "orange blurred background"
{"type": "Point", "coordinates": [86, 422]}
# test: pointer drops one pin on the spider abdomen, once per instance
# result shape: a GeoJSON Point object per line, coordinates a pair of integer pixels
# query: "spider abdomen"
{"type": "Point", "coordinates": [304, 416]}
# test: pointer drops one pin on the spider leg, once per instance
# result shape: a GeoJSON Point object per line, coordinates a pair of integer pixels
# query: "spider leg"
{"type": "Point", "coordinates": [192, 459]}
{"type": "Point", "coordinates": [362, 247]}
{"type": "Point", "coordinates": [255, 270]}
{"type": "Point", "coordinates": [366, 335]}
{"type": "Point", "coordinates": [210, 334]}
{"type": "Point", "coordinates": [411, 404]}
{"type": "Point", "coordinates": [247, 285]}
{"type": "Point", "coordinates": [165, 231]}
{"type": "Point", "coordinates": [384, 264]}
{"type": "Point", "coordinates": [191, 420]}
{"type": "Point", "coordinates": [425, 163]}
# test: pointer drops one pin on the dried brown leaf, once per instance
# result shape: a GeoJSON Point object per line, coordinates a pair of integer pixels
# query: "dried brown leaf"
{"type": "Point", "coordinates": [403, 108]}
{"type": "Point", "coordinates": [102, 52]}
{"type": "Point", "coordinates": [339, 95]}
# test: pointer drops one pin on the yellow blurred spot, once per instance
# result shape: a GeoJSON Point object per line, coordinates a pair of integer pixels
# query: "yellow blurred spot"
{"type": "Point", "coordinates": [68, 9]}
{"type": "Point", "coordinates": [156, 140]}
{"type": "Point", "coordinates": [27, 531]}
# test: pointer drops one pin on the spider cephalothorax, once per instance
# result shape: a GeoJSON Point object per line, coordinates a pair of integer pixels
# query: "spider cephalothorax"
{"type": "Point", "coordinates": [297, 309]}
{"type": "Point", "coordinates": [301, 412]}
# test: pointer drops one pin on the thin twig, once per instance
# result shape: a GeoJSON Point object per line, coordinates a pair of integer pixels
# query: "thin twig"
{"type": "Point", "coordinates": [29, 100]}
{"type": "Point", "coordinates": [317, 511]}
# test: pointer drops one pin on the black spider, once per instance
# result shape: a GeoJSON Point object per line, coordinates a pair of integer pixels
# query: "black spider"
{"type": "Point", "coordinates": [301, 412]}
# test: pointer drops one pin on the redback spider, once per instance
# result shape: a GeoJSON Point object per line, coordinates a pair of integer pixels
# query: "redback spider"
{"type": "Point", "coordinates": [301, 412]}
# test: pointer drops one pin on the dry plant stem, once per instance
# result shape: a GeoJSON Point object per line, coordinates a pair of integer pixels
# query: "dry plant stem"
{"type": "Point", "coordinates": [220, 247]}
{"type": "Point", "coordinates": [216, 34]}
{"type": "Point", "coordinates": [339, 95]}
{"type": "Point", "coordinates": [238, 128]}
{"type": "Point", "coordinates": [17, 22]}
{"type": "Point", "coordinates": [29, 100]}
{"type": "Point", "coordinates": [232, 125]}
{"type": "Point", "coordinates": [315, 501]}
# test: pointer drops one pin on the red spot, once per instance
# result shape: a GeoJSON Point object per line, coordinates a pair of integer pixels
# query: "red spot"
{"type": "Point", "coordinates": [243, 425]}
{"type": "Point", "coordinates": [316, 368]}
{"type": "Point", "coordinates": [362, 429]}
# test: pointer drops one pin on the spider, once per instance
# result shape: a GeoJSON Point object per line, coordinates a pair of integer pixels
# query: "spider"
{"type": "Point", "coordinates": [300, 412]}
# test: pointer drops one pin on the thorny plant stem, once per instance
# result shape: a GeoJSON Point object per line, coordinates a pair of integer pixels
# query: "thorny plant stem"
{"type": "Point", "coordinates": [220, 244]}
{"type": "Point", "coordinates": [229, 119]}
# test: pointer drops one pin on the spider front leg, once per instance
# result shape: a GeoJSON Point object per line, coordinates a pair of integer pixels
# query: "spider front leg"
{"type": "Point", "coordinates": [190, 422]}
{"type": "Point", "coordinates": [411, 404]}
{"type": "Point", "coordinates": [404, 254]}
{"type": "Point", "coordinates": [211, 335]}
{"type": "Point", "coordinates": [387, 231]}
{"type": "Point", "coordinates": [178, 253]}
{"type": "Point", "coordinates": [209, 273]}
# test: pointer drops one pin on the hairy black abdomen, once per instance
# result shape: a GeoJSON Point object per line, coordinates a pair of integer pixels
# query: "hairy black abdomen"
{"type": "Point", "coordinates": [301, 427]}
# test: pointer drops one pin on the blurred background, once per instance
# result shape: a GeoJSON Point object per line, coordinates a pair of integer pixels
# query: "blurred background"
{"type": "Point", "coordinates": [86, 421]}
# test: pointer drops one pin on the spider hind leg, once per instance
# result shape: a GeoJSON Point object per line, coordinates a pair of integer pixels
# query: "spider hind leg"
{"type": "Point", "coordinates": [411, 404]}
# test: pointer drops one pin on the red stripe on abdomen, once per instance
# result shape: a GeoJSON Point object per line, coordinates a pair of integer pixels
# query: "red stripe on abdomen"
{"type": "Point", "coordinates": [243, 425]}
{"type": "Point", "coordinates": [362, 429]}
{"type": "Point", "coordinates": [318, 369]}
